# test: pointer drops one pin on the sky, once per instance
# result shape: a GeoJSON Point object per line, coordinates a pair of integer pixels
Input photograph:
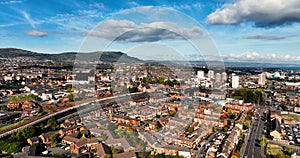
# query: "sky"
{"type": "Point", "coordinates": [234, 30]}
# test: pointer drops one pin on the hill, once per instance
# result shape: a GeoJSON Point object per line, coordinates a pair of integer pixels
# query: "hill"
{"type": "Point", "coordinates": [107, 56]}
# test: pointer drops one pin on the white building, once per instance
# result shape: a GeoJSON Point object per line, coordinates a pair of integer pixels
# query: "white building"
{"type": "Point", "coordinates": [235, 81]}
{"type": "Point", "coordinates": [262, 79]}
{"type": "Point", "coordinates": [211, 74]}
{"type": "Point", "coordinates": [224, 77]}
{"type": "Point", "coordinates": [200, 74]}
{"type": "Point", "coordinates": [218, 78]}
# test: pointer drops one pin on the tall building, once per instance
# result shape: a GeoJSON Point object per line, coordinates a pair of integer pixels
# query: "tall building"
{"type": "Point", "coordinates": [218, 78]}
{"type": "Point", "coordinates": [224, 77]}
{"type": "Point", "coordinates": [211, 74]}
{"type": "Point", "coordinates": [262, 79]}
{"type": "Point", "coordinates": [235, 81]}
{"type": "Point", "coordinates": [200, 74]}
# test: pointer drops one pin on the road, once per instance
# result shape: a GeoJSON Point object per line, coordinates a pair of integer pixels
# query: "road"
{"type": "Point", "coordinates": [79, 104]}
{"type": "Point", "coordinates": [253, 149]}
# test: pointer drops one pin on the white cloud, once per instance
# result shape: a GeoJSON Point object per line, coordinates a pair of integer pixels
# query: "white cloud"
{"type": "Point", "coordinates": [99, 6]}
{"type": "Point", "coordinates": [255, 56]}
{"type": "Point", "coordinates": [266, 37]}
{"type": "Point", "coordinates": [262, 13]}
{"type": "Point", "coordinates": [11, 2]}
{"type": "Point", "coordinates": [133, 4]}
{"type": "Point", "coordinates": [28, 19]}
{"type": "Point", "coordinates": [37, 33]}
{"type": "Point", "coordinates": [125, 30]}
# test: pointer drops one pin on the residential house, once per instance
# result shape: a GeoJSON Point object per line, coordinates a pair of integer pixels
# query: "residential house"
{"type": "Point", "coordinates": [125, 155]}
{"type": "Point", "coordinates": [46, 137]}
{"type": "Point", "coordinates": [80, 145]}
{"type": "Point", "coordinates": [103, 150]}
{"type": "Point", "coordinates": [33, 141]}
{"type": "Point", "coordinates": [68, 131]}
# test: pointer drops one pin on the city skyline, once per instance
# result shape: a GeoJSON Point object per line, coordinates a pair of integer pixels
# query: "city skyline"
{"type": "Point", "coordinates": [238, 34]}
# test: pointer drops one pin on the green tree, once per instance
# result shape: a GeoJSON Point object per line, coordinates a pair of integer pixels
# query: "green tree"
{"type": "Point", "coordinates": [116, 150]}
{"type": "Point", "coordinates": [107, 156]}
{"type": "Point", "coordinates": [71, 97]}
{"type": "Point", "coordinates": [228, 123]}
{"type": "Point", "coordinates": [146, 80]}
{"type": "Point", "coordinates": [225, 128]}
{"type": "Point", "coordinates": [160, 79]}
{"type": "Point", "coordinates": [14, 147]}
{"type": "Point", "coordinates": [144, 154]}
{"type": "Point", "coordinates": [133, 89]}
{"type": "Point", "coordinates": [158, 125]}
{"type": "Point", "coordinates": [214, 128]}
{"type": "Point", "coordinates": [25, 133]}
{"type": "Point", "coordinates": [247, 124]}
{"type": "Point", "coordinates": [54, 139]}
{"type": "Point", "coordinates": [287, 151]}
{"type": "Point", "coordinates": [53, 124]}
{"type": "Point", "coordinates": [263, 142]}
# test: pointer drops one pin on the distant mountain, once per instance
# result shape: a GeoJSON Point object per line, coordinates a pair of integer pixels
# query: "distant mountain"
{"type": "Point", "coordinates": [107, 56]}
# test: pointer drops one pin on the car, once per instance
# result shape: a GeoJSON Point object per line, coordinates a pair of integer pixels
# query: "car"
{"type": "Point", "coordinates": [67, 148]}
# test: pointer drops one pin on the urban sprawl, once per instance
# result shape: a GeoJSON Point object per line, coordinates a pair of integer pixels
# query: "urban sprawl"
{"type": "Point", "coordinates": [139, 109]}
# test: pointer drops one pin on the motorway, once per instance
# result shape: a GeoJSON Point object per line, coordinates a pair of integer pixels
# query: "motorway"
{"type": "Point", "coordinates": [79, 104]}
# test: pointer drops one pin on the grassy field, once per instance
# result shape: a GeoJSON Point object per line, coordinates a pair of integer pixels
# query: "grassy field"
{"type": "Point", "coordinates": [10, 125]}
{"type": "Point", "coordinates": [291, 117]}
{"type": "Point", "coordinates": [274, 149]}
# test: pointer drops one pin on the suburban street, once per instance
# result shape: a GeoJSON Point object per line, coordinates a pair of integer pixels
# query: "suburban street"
{"type": "Point", "coordinates": [253, 149]}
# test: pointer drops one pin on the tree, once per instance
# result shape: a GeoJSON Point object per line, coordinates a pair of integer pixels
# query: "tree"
{"type": "Point", "coordinates": [229, 111]}
{"type": "Point", "coordinates": [146, 80]}
{"type": "Point", "coordinates": [228, 123]}
{"type": "Point", "coordinates": [71, 97]}
{"type": "Point", "coordinates": [250, 113]}
{"type": "Point", "coordinates": [235, 154]}
{"type": "Point", "coordinates": [25, 133]}
{"type": "Point", "coordinates": [42, 126]}
{"type": "Point", "coordinates": [133, 89]}
{"type": "Point", "coordinates": [282, 155]}
{"type": "Point", "coordinates": [53, 124]}
{"type": "Point", "coordinates": [144, 154]}
{"type": "Point", "coordinates": [190, 129]}
{"type": "Point", "coordinates": [54, 139]}
{"type": "Point", "coordinates": [287, 151]}
{"type": "Point", "coordinates": [247, 124]}
{"type": "Point", "coordinates": [106, 156]}
{"type": "Point", "coordinates": [225, 128]}
{"type": "Point", "coordinates": [214, 128]}
{"type": "Point", "coordinates": [263, 141]}
{"type": "Point", "coordinates": [115, 150]}
{"type": "Point", "coordinates": [158, 125]}
{"type": "Point", "coordinates": [14, 147]}
{"type": "Point", "coordinates": [160, 79]}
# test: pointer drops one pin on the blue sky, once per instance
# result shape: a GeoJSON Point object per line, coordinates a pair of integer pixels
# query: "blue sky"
{"type": "Point", "coordinates": [240, 29]}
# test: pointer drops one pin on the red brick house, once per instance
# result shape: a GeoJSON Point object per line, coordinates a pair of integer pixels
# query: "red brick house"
{"type": "Point", "coordinates": [46, 137]}
{"type": "Point", "coordinates": [67, 131]}
{"type": "Point", "coordinates": [80, 145]}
